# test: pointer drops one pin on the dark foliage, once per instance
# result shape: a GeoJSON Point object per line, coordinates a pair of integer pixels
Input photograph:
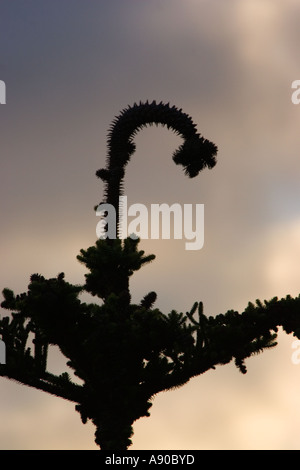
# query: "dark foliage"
{"type": "Point", "coordinates": [124, 354]}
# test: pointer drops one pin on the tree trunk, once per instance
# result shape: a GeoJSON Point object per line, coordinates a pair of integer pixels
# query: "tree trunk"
{"type": "Point", "coordinates": [113, 434]}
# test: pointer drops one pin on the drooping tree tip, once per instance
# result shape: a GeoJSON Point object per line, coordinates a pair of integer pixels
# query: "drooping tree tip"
{"type": "Point", "coordinates": [195, 154]}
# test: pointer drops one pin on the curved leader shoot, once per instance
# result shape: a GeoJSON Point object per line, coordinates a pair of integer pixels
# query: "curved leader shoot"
{"type": "Point", "coordinates": [194, 154]}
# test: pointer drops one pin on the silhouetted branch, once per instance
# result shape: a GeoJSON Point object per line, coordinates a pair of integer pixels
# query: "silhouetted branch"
{"type": "Point", "coordinates": [195, 154]}
{"type": "Point", "coordinates": [123, 353]}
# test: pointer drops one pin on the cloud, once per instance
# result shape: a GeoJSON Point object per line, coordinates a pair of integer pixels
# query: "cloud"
{"type": "Point", "coordinates": [69, 68]}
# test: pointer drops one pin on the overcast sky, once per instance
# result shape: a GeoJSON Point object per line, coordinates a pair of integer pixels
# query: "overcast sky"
{"type": "Point", "coordinates": [70, 67]}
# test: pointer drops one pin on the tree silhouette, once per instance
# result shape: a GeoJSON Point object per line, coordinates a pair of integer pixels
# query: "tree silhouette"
{"type": "Point", "coordinates": [124, 354]}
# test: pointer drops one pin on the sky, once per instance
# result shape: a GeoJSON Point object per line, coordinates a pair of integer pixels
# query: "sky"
{"type": "Point", "coordinates": [70, 67]}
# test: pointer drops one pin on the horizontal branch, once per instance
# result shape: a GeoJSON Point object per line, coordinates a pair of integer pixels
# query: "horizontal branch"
{"type": "Point", "coordinates": [68, 390]}
{"type": "Point", "coordinates": [233, 336]}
